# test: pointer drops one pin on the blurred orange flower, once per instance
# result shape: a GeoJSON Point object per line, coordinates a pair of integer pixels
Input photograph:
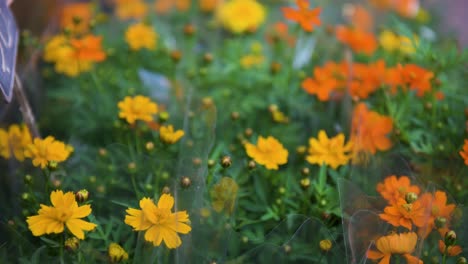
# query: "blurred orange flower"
{"type": "Point", "coordinates": [366, 79]}
{"type": "Point", "coordinates": [334, 79]}
{"type": "Point", "coordinates": [401, 244]}
{"type": "Point", "coordinates": [130, 9]}
{"type": "Point", "coordinates": [357, 39]}
{"type": "Point", "coordinates": [405, 214]}
{"type": "Point", "coordinates": [325, 81]}
{"type": "Point", "coordinates": [436, 206]}
{"type": "Point", "coordinates": [76, 17]}
{"type": "Point", "coordinates": [464, 152]}
{"type": "Point", "coordinates": [406, 8]}
{"type": "Point", "coordinates": [88, 48]}
{"type": "Point", "coordinates": [279, 31]}
{"type": "Point", "coordinates": [392, 189]}
{"type": "Point", "coordinates": [359, 17]}
{"type": "Point", "coordinates": [165, 6]}
{"type": "Point", "coordinates": [369, 130]}
{"type": "Point", "coordinates": [305, 16]}
{"type": "Point", "coordinates": [410, 75]}
{"type": "Point", "coordinates": [208, 5]}
{"type": "Point", "coordinates": [451, 250]}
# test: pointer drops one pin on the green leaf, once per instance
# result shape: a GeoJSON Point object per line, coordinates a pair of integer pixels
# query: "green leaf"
{"type": "Point", "coordinates": [36, 257]}
{"type": "Point", "coordinates": [50, 242]}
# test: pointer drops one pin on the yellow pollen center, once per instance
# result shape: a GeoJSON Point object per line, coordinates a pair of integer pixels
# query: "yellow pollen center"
{"type": "Point", "coordinates": [402, 190]}
{"type": "Point", "coordinates": [161, 215]}
{"type": "Point", "coordinates": [63, 214]}
{"type": "Point", "coordinates": [435, 210]}
{"type": "Point", "coordinates": [407, 207]}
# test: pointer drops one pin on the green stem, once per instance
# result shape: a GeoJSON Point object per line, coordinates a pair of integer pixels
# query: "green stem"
{"type": "Point", "coordinates": [444, 258]}
{"type": "Point", "coordinates": [135, 189]}
{"type": "Point", "coordinates": [138, 249]}
{"type": "Point", "coordinates": [45, 173]}
{"type": "Point", "coordinates": [62, 242]}
{"type": "Point", "coordinates": [96, 81]}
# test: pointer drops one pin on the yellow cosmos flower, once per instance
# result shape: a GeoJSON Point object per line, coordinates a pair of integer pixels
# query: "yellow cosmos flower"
{"type": "Point", "coordinates": [168, 135]}
{"type": "Point", "coordinates": [54, 48]}
{"type": "Point", "coordinates": [392, 42]}
{"type": "Point", "coordinates": [240, 16]}
{"type": "Point", "coordinates": [140, 36]}
{"type": "Point", "coordinates": [331, 151]}
{"type": "Point", "coordinates": [63, 212]}
{"type": "Point", "coordinates": [73, 56]}
{"type": "Point", "coordinates": [137, 108]}
{"type": "Point", "coordinates": [251, 60]}
{"type": "Point", "coordinates": [389, 41]}
{"type": "Point", "coordinates": [159, 222]}
{"type": "Point", "coordinates": [223, 195]}
{"type": "Point", "coordinates": [20, 138]}
{"type": "Point", "coordinates": [117, 253]}
{"type": "Point", "coordinates": [14, 141]}
{"type": "Point", "coordinates": [268, 152]}
{"type": "Point", "coordinates": [44, 151]}
{"type": "Point", "coordinates": [4, 144]}
{"type": "Point", "coordinates": [407, 46]}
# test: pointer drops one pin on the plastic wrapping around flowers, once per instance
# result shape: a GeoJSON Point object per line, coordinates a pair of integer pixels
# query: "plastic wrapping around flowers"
{"type": "Point", "coordinates": [389, 215]}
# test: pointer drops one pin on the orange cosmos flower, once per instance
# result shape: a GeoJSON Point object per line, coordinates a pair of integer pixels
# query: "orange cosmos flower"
{"type": "Point", "coordinates": [164, 6]}
{"type": "Point", "coordinates": [416, 78]}
{"type": "Point", "coordinates": [279, 31]}
{"type": "Point", "coordinates": [405, 214]}
{"type": "Point", "coordinates": [392, 189]}
{"type": "Point", "coordinates": [359, 17]}
{"type": "Point", "coordinates": [401, 244]}
{"type": "Point", "coordinates": [130, 9]}
{"type": "Point", "coordinates": [88, 48]}
{"type": "Point", "coordinates": [464, 152]}
{"type": "Point", "coordinates": [369, 130]}
{"type": "Point", "coordinates": [451, 250]}
{"type": "Point", "coordinates": [381, 4]}
{"type": "Point", "coordinates": [406, 8]}
{"type": "Point", "coordinates": [366, 79]}
{"type": "Point", "coordinates": [208, 5]}
{"type": "Point", "coordinates": [76, 17]}
{"type": "Point", "coordinates": [357, 39]}
{"type": "Point", "coordinates": [436, 206]}
{"type": "Point", "coordinates": [268, 152]}
{"type": "Point", "coordinates": [306, 17]}
{"type": "Point", "coordinates": [334, 79]}
{"type": "Point", "coordinates": [324, 81]}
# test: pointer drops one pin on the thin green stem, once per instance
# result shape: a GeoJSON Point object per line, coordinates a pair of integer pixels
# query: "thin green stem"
{"type": "Point", "coordinates": [444, 258]}
{"type": "Point", "coordinates": [62, 242]}
{"type": "Point", "coordinates": [135, 189]}
{"type": "Point", "coordinates": [46, 174]}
